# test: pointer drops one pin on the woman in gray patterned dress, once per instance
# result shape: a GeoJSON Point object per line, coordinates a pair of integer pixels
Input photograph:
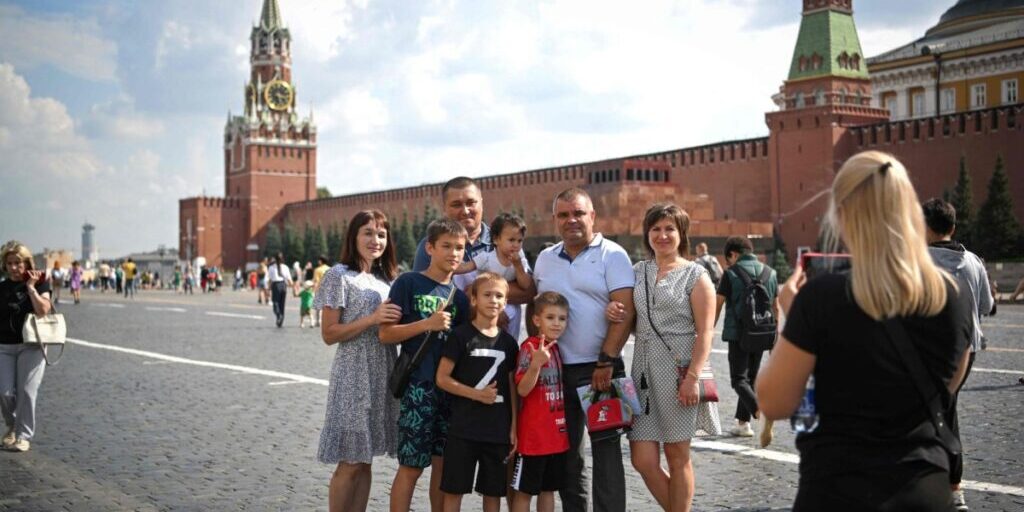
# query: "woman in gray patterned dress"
{"type": "Point", "coordinates": [675, 303]}
{"type": "Point", "coordinates": [362, 417]}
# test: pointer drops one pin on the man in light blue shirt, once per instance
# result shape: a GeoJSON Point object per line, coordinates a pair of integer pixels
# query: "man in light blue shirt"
{"type": "Point", "coordinates": [589, 271]}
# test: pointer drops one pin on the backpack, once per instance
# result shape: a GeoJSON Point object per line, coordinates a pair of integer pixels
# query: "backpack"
{"type": "Point", "coordinates": [755, 316]}
{"type": "Point", "coordinates": [711, 265]}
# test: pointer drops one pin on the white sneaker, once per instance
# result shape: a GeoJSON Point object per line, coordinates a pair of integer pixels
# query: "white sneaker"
{"type": "Point", "coordinates": [959, 503]}
{"type": "Point", "coordinates": [742, 429]}
{"type": "Point", "coordinates": [9, 438]}
{"type": "Point", "coordinates": [20, 445]}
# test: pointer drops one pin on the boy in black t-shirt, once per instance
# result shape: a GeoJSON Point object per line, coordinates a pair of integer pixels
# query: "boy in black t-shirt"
{"type": "Point", "coordinates": [476, 368]}
{"type": "Point", "coordinates": [423, 417]}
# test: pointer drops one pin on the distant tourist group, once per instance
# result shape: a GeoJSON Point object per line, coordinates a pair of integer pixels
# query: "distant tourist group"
{"type": "Point", "coordinates": [506, 419]}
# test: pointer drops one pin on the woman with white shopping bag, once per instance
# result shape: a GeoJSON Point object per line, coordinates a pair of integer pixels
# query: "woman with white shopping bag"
{"type": "Point", "coordinates": [23, 292]}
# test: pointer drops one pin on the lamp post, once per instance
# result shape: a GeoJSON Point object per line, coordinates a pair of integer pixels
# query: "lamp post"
{"type": "Point", "coordinates": [935, 51]}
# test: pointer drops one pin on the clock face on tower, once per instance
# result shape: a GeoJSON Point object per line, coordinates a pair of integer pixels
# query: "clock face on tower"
{"type": "Point", "coordinates": [278, 95]}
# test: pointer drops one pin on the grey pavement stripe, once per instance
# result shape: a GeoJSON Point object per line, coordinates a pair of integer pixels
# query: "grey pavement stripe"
{"type": "Point", "coordinates": [235, 315]}
{"type": "Point", "coordinates": [707, 445]}
{"type": "Point", "coordinates": [1004, 349]}
{"type": "Point", "coordinates": [108, 305]}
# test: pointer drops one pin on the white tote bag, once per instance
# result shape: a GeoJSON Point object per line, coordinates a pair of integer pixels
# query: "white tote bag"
{"type": "Point", "coordinates": [46, 330]}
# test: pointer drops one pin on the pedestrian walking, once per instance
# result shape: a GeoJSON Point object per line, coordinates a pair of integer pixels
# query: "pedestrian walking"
{"type": "Point", "coordinates": [589, 271]}
{"type": "Point", "coordinates": [318, 276]}
{"type": "Point", "coordinates": [129, 269]}
{"type": "Point", "coordinates": [105, 279]}
{"type": "Point", "coordinates": [57, 277]}
{"type": "Point", "coordinates": [261, 285]}
{"type": "Point", "coordinates": [710, 263]}
{"type": "Point", "coordinates": [279, 279]}
{"type": "Point", "coordinates": [75, 279]}
{"type": "Point", "coordinates": [973, 282]}
{"type": "Point", "coordinates": [362, 417]}
{"type": "Point", "coordinates": [674, 326]}
{"type": "Point", "coordinates": [24, 292]}
{"type": "Point", "coordinates": [869, 439]}
{"type": "Point", "coordinates": [238, 282]}
{"type": "Point", "coordinates": [738, 288]}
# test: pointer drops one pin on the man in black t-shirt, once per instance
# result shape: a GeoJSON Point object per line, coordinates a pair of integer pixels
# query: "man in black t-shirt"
{"type": "Point", "coordinates": [476, 368]}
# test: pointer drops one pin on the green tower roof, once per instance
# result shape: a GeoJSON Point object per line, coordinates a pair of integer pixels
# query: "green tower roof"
{"type": "Point", "coordinates": [828, 46]}
{"type": "Point", "coordinates": [270, 16]}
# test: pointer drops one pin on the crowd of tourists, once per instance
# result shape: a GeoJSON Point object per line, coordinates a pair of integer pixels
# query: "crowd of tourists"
{"type": "Point", "coordinates": [506, 418]}
{"type": "Point", "coordinates": [503, 414]}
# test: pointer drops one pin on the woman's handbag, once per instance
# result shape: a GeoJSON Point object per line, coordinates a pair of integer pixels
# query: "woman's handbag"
{"type": "Point", "coordinates": [407, 363]}
{"type": "Point", "coordinates": [46, 330]}
{"type": "Point", "coordinates": [707, 388]}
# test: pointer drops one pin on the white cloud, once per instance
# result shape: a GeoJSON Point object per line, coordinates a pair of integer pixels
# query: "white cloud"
{"type": "Point", "coordinates": [119, 119]}
{"type": "Point", "coordinates": [175, 37]}
{"type": "Point", "coordinates": [38, 134]}
{"type": "Point", "coordinates": [320, 27]}
{"type": "Point", "coordinates": [76, 46]}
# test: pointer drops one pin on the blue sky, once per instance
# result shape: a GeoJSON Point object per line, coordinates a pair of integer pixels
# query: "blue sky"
{"type": "Point", "coordinates": [112, 110]}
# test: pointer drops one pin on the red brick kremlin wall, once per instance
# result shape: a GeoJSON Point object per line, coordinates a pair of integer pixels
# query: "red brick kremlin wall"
{"type": "Point", "coordinates": [725, 186]}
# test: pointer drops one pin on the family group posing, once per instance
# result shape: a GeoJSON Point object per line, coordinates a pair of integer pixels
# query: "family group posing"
{"type": "Point", "coordinates": [491, 416]}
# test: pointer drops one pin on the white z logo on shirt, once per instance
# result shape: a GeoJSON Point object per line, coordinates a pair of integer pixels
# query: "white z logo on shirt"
{"type": "Point", "coordinates": [498, 356]}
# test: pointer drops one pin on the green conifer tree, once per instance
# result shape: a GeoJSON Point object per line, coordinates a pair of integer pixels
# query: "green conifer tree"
{"type": "Point", "coordinates": [294, 248]}
{"type": "Point", "coordinates": [963, 202]}
{"type": "Point", "coordinates": [334, 241]}
{"type": "Point", "coordinates": [405, 242]}
{"type": "Point", "coordinates": [997, 231]}
{"type": "Point", "coordinates": [272, 244]}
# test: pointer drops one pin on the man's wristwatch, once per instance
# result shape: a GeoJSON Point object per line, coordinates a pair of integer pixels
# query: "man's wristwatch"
{"type": "Point", "coordinates": [605, 360]}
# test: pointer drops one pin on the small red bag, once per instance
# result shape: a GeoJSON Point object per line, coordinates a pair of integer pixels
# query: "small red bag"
{"type": "Point", "coordinates": [608, 415]}
{"type": "Point", "coordinates": [706, 386]}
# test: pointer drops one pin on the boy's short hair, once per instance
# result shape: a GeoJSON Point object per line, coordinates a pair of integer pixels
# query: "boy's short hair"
{"type": "Point", "coordinates": [549, 299]}
{"type": "Point", "coordinates": [505, 220]}
{"type": "Point", "coordinates": [939, 215]}
{"type": "Point", "coordinates": [486, 277]}
{"type": "Point", "coordinates": [445, 226]}
{"type": "Point", "coordinates": [739, 245]}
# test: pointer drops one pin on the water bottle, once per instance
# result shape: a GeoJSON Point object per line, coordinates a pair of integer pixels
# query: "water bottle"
{"type": "Point", "coordinates": [806, 417]}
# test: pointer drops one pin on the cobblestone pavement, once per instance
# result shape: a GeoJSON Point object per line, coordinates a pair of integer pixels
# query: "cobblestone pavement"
{"type": "Point", "coordinates": [213, 408]}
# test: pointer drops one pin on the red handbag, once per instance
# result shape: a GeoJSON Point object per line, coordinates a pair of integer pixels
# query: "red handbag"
{"type": "Point", "coordinates": [707, 389]}
{"type": "Point", "coordinates": [609, 415]}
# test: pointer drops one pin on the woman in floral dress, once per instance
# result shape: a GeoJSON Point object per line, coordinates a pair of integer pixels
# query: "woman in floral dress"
{"type": "Point", "coordinates": [362, 417]}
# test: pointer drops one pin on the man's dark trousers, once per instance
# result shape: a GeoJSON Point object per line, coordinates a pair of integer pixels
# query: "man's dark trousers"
{"type": "Point", "coordinates": [743, 367]}
{"type": "Point", "coordinates": [609, 477]}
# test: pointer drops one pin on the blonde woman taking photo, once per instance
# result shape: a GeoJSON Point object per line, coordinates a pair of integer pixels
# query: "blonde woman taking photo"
{"type": "Point", "coordinates": [873, 447]}
{"type": "Point", "coordinates": [23, 292]}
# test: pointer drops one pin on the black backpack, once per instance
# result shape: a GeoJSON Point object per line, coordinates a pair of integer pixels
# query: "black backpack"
{"type": "Point", "coordinates": [755, 316]}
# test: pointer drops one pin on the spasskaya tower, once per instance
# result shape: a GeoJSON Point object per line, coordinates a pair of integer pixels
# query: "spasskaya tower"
{"type": "Point", "coordinates": [269, 157]}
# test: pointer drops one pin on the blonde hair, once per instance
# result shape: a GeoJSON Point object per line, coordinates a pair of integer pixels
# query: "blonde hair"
{"type": "Point", "coordinates": [18, 249]}
{"type": "Point", "coordinates": [875, 210]}
{"type": "Point", "coordinates": [486, 277]}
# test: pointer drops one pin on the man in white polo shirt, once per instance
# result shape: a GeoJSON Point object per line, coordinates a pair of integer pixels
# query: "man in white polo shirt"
{"type": "Point", "coordinates": [589, 271]}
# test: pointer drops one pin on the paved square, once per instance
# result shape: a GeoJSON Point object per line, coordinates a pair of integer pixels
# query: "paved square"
{"type": "Point", "coordinates": [173, 402]}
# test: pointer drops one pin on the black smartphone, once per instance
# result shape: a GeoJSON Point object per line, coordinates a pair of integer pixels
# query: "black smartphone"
{"type": "Point", "coordinates": [816, 263]}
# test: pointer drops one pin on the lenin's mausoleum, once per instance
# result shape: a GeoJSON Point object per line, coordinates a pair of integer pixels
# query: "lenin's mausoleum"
{"type": "Point", "coordinates": [953, 93]}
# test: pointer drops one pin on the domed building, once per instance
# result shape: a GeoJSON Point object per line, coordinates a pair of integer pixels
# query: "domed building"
{"type": "Point", "coordinates": [972, 59]}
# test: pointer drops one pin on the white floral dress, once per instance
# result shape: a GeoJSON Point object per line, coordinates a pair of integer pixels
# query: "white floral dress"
{"type": "Point", "coordinates": [362, 416]}
{"type": "Point", "coordinates": [663, 418]}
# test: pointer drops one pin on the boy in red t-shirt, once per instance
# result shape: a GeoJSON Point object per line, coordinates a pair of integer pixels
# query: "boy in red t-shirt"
{"type": "Point", "coordinates": [543, 440]}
